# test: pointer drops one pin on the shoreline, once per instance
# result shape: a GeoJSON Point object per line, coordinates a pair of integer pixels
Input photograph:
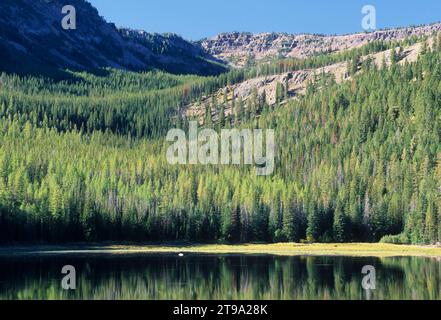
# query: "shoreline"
{"type": "Point", "coordinates": [280, 249]}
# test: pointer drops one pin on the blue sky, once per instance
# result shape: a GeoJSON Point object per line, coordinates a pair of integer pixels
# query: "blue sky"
{"type": "Point", "coordinates": [196, 19]}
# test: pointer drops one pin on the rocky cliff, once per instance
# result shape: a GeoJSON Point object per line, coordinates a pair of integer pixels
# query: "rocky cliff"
{"type": "Point", "coordinates": [237, 48]}
{"type": "Point", "coordinates": [32, 40]}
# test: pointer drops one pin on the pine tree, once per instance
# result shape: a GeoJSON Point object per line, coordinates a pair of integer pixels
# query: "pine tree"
{"type": "Point", "coordinates": [208, 117]}
{"type": "Point", "coordinates": [313, 229]}
{"type": "Point", "coordinates": [393, 57]}
{"type": "Point", "coordinates": [339, 225]}
{"type": "Point", "coordinates": [355, 62]}
{"type": "Point", "coordinates": [430, 225]}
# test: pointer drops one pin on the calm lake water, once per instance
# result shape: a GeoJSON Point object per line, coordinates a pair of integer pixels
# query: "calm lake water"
{"type": "Point", "coordinates": [168, 276]}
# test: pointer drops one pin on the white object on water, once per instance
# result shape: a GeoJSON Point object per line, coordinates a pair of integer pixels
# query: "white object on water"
{"type": "Point", "coordinates": [181, 254]}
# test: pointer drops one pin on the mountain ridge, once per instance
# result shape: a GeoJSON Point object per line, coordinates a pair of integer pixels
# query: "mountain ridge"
{"type": "Point", "coordinates": [238, 48]}
{"type": "Point", "coordinates": [32, 40]}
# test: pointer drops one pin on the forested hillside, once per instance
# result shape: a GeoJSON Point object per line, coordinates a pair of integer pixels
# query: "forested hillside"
{"type": "Point", "coordinates": [85, 160]}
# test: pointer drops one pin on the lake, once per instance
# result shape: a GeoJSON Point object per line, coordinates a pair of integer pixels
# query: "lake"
{"type": "Point", "coordinates": [201, 276]}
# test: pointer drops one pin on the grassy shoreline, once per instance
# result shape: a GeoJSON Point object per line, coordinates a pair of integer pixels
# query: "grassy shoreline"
{"type": "Point", "coordinates": [283, 249]}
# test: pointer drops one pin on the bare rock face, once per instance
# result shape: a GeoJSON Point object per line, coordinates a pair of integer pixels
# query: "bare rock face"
{"type": "Point", "coordinates": [32, 40]}
{"type": "Point", "coordinates": [236, 48]}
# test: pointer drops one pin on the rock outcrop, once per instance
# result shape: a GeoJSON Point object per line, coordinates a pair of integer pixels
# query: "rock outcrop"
{"type": "Point", "coordinates": [238, 48]}
{"type": "Point", "coordinates": [296, 82]}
